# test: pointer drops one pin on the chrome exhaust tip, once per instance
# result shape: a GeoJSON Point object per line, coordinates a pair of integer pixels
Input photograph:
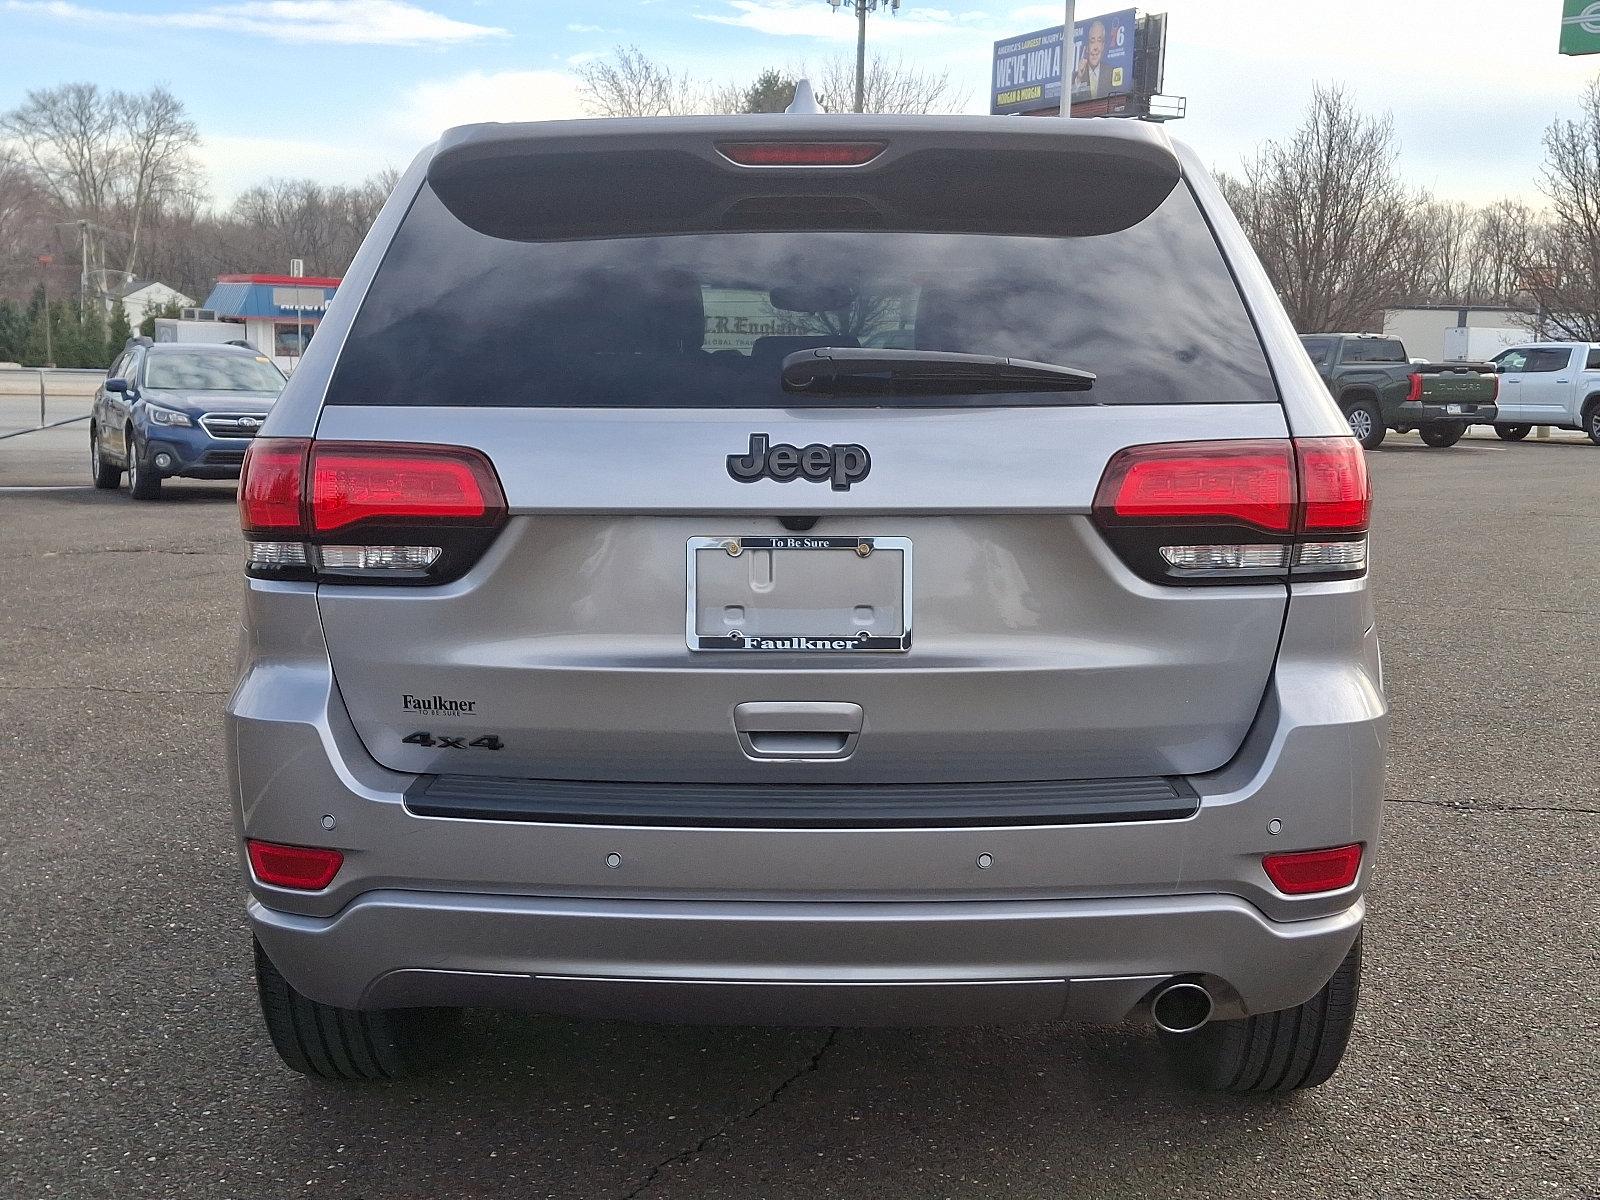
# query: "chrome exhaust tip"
{"type": "Point", "coordinates": [1181, 1008]}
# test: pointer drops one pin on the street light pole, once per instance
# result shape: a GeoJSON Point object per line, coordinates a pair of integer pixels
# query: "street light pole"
{"type": "Point", "coordinates": [1069, 64]}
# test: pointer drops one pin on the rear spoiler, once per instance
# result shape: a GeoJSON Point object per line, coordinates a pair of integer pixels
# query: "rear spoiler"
{"type": "Point", "coordinates": [561, 180]}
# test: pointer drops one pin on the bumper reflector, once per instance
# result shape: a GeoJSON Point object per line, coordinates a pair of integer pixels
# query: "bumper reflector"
{"type": "Point", "coordinates": [1303, 872]}
{"type": "Point", "coordinates": [303, 868]}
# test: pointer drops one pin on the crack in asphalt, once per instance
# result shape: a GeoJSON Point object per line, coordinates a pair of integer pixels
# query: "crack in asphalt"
{"type": "Point", "coordinates": [74, 551]}
{"type": "Point", "coordinates": [1482, 806]}
{"type": "Point", "coordinates": [100, 687]}
{"type": "Point", "coordinates": [727, 1126]}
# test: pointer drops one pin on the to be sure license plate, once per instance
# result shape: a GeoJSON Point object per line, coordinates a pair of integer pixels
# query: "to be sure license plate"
{"type": "Point", "coordinates": [1453, 409]}
{"type": "Point", "coordinates": [799, 595]}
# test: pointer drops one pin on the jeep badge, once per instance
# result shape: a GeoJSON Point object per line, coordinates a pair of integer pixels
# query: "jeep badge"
{"type": "Point", "coordinates": [843, 464]}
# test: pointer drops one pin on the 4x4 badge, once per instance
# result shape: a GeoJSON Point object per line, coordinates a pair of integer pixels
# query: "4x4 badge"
{"type": "Point", "coordinates": [841, 463]}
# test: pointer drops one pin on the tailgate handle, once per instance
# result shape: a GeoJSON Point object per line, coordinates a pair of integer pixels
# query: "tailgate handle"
{"type": "Point", "coordinates": [797, 729]}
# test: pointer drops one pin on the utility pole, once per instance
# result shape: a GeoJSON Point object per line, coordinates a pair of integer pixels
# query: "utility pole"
{"type": "Point", "coordinates": [1069, 60]}
{"type": "Point", "coordinates": [44, 287]}
{"type": "Point", "coordinates": [863, 7]}
{"type": "Point", "coordinates": [861, 56]}
{"type": "Point", "coordinates": [87, 230]}
{"type": "Point", "coordinates": [83, 273]}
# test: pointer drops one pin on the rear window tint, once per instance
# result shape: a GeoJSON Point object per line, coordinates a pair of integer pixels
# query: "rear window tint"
{"type": "Point", "coordinates": [1374, 350]}
{"type": "Point", "coordinates": [458, 317]}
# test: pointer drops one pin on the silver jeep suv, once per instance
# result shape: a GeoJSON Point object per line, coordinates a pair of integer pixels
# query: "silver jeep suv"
{"type": "Point", "coordinates": [805, 569]}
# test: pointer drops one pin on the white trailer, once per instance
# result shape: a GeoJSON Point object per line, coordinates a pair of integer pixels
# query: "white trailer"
{"type": "Point", "coordinates": [175, 329]}
{"type": "Point", "coordinates": [1473, 344]}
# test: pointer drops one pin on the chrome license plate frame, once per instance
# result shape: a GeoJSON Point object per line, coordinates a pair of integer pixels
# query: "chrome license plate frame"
{"type": "Point", "coordinates": [820, 641]}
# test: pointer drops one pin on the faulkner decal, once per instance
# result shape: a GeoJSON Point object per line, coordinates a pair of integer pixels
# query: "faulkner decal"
{"type": "Point", "coordinates": [841, 463]}
{"type": "Point", "coordinates": [436, 704]}
{"type": "Point", "coordinates": [752, 642]}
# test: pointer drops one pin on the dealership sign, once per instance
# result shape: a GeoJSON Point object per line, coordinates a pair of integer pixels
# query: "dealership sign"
{"type": "Point", "coordinates": [1580, 27]}
{"type": "Point", "coordinates": [1027, 69]}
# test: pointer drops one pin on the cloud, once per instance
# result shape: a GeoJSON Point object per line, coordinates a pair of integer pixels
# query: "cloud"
{"type": "Point", "coordinates": [436, 105]}
{"type": "Point", "coordinates": [812, 18]}
{"type": "Point", "coordinates": [343, 22]}
{"type": "Point", "coordinates": [575, 28]}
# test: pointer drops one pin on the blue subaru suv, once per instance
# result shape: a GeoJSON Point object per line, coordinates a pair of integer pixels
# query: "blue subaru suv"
{"type": "Point", "coordinates": [178, 409]}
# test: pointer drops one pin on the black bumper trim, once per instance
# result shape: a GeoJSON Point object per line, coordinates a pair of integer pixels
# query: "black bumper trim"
{"type": "Point", "coordinates": [804, 806]}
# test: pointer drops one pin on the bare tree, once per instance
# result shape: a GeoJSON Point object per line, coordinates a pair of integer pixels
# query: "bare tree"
{"type": "Point", "coordinates": [1442, 257]}
{"type": "Point", "coordinates": [68, 136]}
{"type": "Point", "coordinates": [892, 86]}
{"type": "Point", "coordinates": [155, 161]}
{"type": "Point", "coordinates": [632, 84]}
{"type": "Point", "coordinates": [1503, 239]}
{"type": "Point", "coordinates": [1563, 264]}
{"type": "Point", "coordinates": [1330, 216]}
{"type": "Point", "coordinates": [282, 219]}
{"type": "Point", "coordinates": [106, 157]}
{"type": "Point", "coordinates": [24, 223]}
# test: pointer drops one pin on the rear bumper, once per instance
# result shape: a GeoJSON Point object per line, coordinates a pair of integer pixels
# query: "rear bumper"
{"type": "Point", "coordinates": [1412, 413]}
{"type": "Point", "coordinates": [840, 925]}
{"type": "Point", "coordinates": [802, 963]}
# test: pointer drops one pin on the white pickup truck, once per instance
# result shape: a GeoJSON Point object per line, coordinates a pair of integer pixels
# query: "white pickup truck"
{"type": "Point", "coordinates": [1549, 383]}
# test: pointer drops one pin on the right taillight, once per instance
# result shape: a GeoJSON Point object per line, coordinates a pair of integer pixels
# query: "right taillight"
{"type": "Point", "coordinates": [367, 512]}
{"type": "Point", "coordinates": [1238, 511]}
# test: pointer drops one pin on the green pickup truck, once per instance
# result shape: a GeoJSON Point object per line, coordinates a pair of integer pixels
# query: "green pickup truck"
{"type": "Point", "coordinates": [1379, 388]}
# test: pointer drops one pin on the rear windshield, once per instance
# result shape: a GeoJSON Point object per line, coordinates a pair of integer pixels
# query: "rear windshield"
{"type": "Point", "coordinates": [457, 317]}
{"type": "Point", "coordinates": [1374, 350]}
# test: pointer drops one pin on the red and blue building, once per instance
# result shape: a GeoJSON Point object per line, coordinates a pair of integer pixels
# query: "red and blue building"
{"type": "Point", "coordinates": [280, 313]}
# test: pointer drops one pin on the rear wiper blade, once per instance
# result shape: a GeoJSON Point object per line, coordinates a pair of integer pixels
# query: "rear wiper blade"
{"type": "Point", "coordinates": [848, 371]}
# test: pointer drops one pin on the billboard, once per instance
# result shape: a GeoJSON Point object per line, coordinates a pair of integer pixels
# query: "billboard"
{"type": "Point", "coordinates": [1103, 54]}
{"type": "Point", "coordinates": [1027, 69]}
{"type": "Point", "coordinates": [1027, 73]}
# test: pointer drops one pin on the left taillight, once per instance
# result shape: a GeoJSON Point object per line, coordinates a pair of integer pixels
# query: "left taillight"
{"type": "Point", "coordinates": [367, 512]}
{"type": "Point", "coordinates": [1237, 511]}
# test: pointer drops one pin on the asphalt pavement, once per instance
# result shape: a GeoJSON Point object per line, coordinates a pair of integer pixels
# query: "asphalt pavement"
{"type": "Point", "coordinates": [133, 1062]}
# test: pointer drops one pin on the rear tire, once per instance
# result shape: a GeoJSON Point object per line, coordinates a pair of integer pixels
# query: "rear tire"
{"type": "Point", "coordinates": [106, 477]}
{"type": "Point", "coordinates": [143, 482]}
{"type": "Point", "coordinates": [1512, 433]}
{"type": "Point", "coordinates": [1591, 421]}
{"type": "Point", "coordinates": [1366, 422]}
{"type": "Point", "coordinates": [1274, 1053]}
{"type": "Point", "coordinates": [326, 1042]}
{"type": "Point", "coordinates": [1443, 434]}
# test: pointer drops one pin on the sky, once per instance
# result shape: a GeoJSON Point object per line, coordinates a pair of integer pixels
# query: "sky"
{"type": "Point", "coordinates": [337, 89]}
